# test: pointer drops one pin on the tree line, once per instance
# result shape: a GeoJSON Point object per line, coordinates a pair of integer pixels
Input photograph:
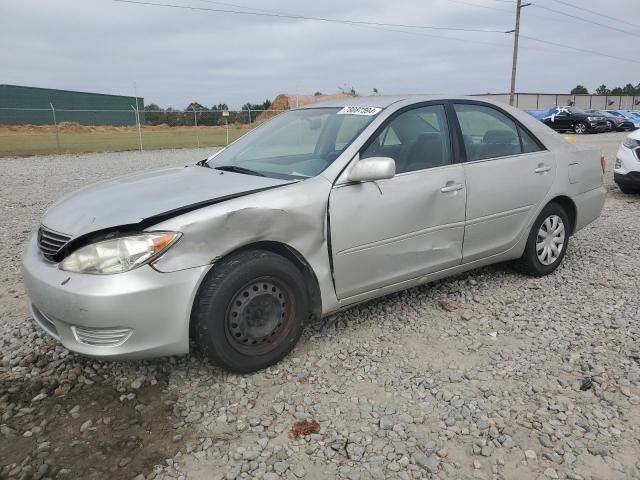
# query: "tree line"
{"type": "Point", "coordinates": [202, 115]}
{"type": "Point", "coordinates": [628, 89]}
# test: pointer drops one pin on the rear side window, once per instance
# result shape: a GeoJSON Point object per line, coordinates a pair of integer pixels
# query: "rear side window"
{"type": "Point", "coordinates": [528, 143]}
{"type": "Point", "coordinates": [489, 133]}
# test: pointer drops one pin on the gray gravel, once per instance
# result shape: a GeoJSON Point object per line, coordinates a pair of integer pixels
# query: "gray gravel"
{"type": "Point", "coordinates": [399, 387]}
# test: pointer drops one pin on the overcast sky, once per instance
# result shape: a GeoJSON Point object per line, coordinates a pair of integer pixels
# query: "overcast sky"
{"type": "Point", "coordinates": [177, 56]}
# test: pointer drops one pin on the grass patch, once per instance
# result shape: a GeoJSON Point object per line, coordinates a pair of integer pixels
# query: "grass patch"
{"type": "Point", "coordinates": [25, 141]}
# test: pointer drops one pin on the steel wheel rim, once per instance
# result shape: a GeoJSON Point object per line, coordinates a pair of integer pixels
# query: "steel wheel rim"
{"type": "Point", "coordinates": [550, 240]}
{"type": "Point", "coordinates": [258, 316]}
{"type": "Point", "coordinates": [581, 128]}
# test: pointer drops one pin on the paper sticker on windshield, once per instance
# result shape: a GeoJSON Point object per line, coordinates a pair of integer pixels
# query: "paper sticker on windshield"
{"type": "Point", "coordinates": [353, 110]}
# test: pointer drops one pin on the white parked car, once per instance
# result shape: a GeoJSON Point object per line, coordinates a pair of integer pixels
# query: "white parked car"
{"type": "Point", "coordinates": [626, 172]}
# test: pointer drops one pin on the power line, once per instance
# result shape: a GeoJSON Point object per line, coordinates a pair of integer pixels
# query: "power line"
{"type": "Point", "coordinates": [579, 7]}
{"type": "Point", "coordinates": [384, 29]}
{"type": "Point", "coordinates": [421, 34]}
{"type": "Point", "coordinates": [303, 17]}
{"type": "Point", "coordinates": [376, 25]}
{"type": "Point", "coordinates": [585, 20]}
{"type": "Point", "coordinates": [507, 11]}
{"type": "Point", "coordinates": [577, 49]}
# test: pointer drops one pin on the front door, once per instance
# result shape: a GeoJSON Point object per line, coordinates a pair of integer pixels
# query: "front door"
{"type": "Point", "coordinates": [393, 230]}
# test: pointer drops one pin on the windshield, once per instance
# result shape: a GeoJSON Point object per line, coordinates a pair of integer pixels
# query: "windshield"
{"type": "Point", "coordinates": [295, 144]}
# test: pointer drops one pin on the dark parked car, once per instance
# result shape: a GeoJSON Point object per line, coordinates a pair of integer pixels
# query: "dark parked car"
{"type": "Point", "coordinates": [614, 122]}
{"type": "Point", "coordinates": [563, 119]}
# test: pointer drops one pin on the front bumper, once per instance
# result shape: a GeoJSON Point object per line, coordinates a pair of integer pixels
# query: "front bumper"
{"type": "Point", "coordinates": [631, 179]}
{"type": "Point", "coordinates": [627, 161]}
{"type": "Point", "coordinates": [597, 127]}
{"type": "Point", "coordinates": [138, 314]}
{"type": "Point", "coordinates": [628, 125]}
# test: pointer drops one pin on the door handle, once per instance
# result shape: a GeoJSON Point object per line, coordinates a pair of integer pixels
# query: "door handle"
{"type": "Point", "coordinates": [542, 168]}
{"type": "Point", "coordinates": [452, 188]}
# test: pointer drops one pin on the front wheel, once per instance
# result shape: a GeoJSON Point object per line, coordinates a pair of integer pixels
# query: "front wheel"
{"type": "Point", "coordinates": [547, 242]}
{"type": "Point", "coordinates": [580, 128]}
{"type": "Point", "coordinates": [250, 310]}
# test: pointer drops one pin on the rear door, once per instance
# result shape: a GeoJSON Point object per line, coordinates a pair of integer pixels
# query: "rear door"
{"type": "Point", "coordinates": [401, 228]}
{"type": "Point", "coordinates": [508, 174]}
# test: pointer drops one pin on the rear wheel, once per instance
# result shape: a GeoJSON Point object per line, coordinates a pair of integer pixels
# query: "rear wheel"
{"type": "Point", "coordinates": [580, 128]}
{"type": "Point", "coordinates": [547, 242]}
{"type": "Point", "coordinates": [250, 310]}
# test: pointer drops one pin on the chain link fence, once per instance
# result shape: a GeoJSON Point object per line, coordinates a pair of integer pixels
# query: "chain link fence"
{"type": "Point", "coordinates": [40, 131]}
{"type": "Point", "coordinates": [544, 101]}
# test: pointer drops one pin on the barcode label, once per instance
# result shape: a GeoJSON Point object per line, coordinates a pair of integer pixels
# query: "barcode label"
{"type": "Point", "coordinates": [353, 110]}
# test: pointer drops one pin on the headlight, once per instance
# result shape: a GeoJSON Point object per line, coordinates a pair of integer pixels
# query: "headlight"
{"type": "Point", "coordinates": [120, 254]}
{"type": "Point", "coordinates": [631, 143]}
{"type": "Point", "coordinates": [591, 119]}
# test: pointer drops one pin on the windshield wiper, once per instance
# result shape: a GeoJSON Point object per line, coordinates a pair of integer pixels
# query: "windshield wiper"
{"type": "Point", "coordinates": [236, 169]}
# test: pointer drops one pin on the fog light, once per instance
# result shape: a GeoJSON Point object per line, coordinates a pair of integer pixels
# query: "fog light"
{"type": "Point", "coordinates": [617, 164]}
{"type": "Point", "coordinates": [102, 337]}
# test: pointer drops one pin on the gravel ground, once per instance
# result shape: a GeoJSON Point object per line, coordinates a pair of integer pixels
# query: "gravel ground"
{"type": "Point", "coordinates": [399, 387]}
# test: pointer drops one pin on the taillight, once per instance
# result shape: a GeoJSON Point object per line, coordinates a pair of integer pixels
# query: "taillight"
{"type": "Point", "coordinates": [603, 161]}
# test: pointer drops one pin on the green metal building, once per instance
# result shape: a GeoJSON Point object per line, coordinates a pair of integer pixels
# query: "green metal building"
{"type": "Point", "coordinates": [35, 106]}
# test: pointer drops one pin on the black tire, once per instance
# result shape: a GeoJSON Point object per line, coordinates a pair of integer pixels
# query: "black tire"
{"type": "Point", "coordinates": [250, 311]}
{"type": "Point", "coordinates": [530, 263]}
{"type": "Point", "coordinates": [580, 128]}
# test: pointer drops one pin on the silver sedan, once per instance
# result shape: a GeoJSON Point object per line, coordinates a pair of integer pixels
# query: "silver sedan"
{"type": "Point", "coordinates": [318, 209]}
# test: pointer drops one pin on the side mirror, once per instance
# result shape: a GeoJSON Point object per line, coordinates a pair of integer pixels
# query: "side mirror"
{"type": "Point", "coordinates": [374, 168]}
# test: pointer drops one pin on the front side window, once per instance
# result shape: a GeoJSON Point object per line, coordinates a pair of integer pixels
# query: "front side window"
{"type": "Point", "coordinates": [415, 139]}
{"type": "Point", "coordinates": [294, 145]}
{"type": "Point", "coordinates": [489, 133]}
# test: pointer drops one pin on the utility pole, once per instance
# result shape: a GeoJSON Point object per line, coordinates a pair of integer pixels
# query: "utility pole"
{"type": "Point", "coordinates": [516, 35]}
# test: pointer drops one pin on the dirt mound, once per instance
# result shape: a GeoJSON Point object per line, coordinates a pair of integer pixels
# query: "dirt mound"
{"type": "Point", "coordinates": [287, 101]}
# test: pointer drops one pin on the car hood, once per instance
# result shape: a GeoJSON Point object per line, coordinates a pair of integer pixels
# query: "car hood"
{"type": "Point", "coordinates": [635, 135]}
{"type": "Point", "coordinates": [135, 198]}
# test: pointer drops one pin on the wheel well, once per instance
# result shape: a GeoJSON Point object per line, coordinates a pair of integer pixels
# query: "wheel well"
{"type": "Point", "coordinates": [567, 204]}
{"type": "Point", "coordinates": [313, 288]}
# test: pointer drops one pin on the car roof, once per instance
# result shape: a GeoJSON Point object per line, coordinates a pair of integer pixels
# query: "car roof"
{"type": "Point", "coordinates": [384, 101]}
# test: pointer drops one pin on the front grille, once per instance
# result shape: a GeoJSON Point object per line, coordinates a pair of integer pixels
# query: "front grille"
{"type": "Point", "coordinates": [102, 337]}
{"type": "Point", "coordinates": [51, 242]}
